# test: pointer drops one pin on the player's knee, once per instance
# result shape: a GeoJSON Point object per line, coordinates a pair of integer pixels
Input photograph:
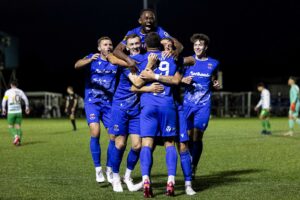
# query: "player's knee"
{"type": "Point", "coordinates": [183, 147]}
{"type": "Point", "coordinates": [199, 135]}
{"type": "Point", "coordinates": [136, 146]}
{"type": "Point", "coordinates": [120, 145]}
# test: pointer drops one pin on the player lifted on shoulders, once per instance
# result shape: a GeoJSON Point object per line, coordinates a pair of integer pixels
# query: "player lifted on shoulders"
{"type": "Point", "coordinates": [147, 23]}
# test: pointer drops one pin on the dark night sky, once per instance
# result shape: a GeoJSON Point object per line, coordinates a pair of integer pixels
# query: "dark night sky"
{"type": "Point", "coordinates": [252, 39]}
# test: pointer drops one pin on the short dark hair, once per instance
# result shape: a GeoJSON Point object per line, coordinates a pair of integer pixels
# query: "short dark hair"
{"type": "Point", "coordinates": [14, 82]}
{"type": "Point", "coordinates": [200, 36]}
{"type": "Point", "coordinates": [260, 84]}
{"type": "Point", "coordinates": [152, 40]}
{"type": "Point", "coordinates": [103, 38]}
{"type": "Point", "coordinates": [146, 10]}
{"type": "Point", "coordinates": [293, 78]}
{"type": "Point", "coordinates": [133, 35]}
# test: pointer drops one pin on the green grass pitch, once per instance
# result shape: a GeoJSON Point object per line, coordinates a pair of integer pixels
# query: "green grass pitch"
{"type": "Point", "coordinates": [237, 163]}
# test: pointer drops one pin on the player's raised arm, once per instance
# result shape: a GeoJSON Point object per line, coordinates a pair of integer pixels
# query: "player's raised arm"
{"type": "Point", "coordinates": [86, 60]}
{"type": "Point", "coordinates": [178, 46]}
{"type": "Point", "coordinates": [119, 52]}
{"type": "Point", "coordinates": [116, 61]}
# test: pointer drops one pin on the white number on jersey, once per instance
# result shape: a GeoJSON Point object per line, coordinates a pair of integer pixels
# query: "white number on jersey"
{"type": "Point", "coordinates": [164, 67]}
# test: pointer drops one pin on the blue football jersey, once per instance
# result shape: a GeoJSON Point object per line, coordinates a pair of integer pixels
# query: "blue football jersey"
{"type": "Point", "coordinates": [124, 97]}
{"type": "Point", "coordinates": [161, 32]}
{"type": "Point", "coordinates": [100, 81]}
{"type": "Point", "coordinates": [167, 67]}
{"type": "Point", "coordinates": [199, 91]}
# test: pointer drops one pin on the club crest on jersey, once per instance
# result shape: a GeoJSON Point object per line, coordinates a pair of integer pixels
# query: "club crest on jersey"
{"type": "Point", "coordinates": [209, 66]}
{"type": "Point", "coordinates": [99, 62]}
{"type": "Point", "coordinates": [92, 116]}
{"type": "Point", "coordinates": [116, 127]}
{"type": "Point", "coordinates": [168, 129]}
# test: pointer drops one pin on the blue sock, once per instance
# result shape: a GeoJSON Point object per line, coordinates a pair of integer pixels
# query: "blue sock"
{"type": "Point", "coordinates": [186, 165]}
{"type": "Point", "coordinates": [132, 158]}
{"type": "Point", "coordinates": [117, 154]}
{"type": "Point", "coordinates": [95, 151]}
{"type": "Point", "coordinates": [146, 160]}
{"type": "Point", "coordinates": [196, 152]}
{"type": "Point", "coordinates": [171, 160]}
{"type": "Point", "coordinates": [109, 152]}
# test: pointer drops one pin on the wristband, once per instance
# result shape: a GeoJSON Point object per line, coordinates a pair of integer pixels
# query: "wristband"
{"type": "Point", "coordinates": [156, 77]}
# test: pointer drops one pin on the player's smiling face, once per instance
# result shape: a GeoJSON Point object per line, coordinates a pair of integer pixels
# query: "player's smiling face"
{"type": "Point", "coordinates": [134, 45]}
{"type": "Point", "coordinates": [105, 47]}
{"type": "Point", "coordinates": [147, 20]}
{"type": "Point", "coordinates": [200, 48]}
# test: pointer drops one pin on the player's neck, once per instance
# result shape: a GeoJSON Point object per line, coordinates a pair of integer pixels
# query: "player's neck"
{"type": "Point", "coordinates": [201, 57]}
{"type": "Point", "coordinates": [103, 57]}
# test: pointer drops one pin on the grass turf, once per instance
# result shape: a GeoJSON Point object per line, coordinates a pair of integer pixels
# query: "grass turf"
{"type": "Point", "coordinates": [238, 163]}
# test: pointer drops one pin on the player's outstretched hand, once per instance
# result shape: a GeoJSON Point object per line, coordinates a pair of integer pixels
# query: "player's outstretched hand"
{"type": "Point", "coordinates": [256, 109]}
{"type": "Point", "coordinates": [216, 84]}
{"type": "Point", "coordinates": [187, 80]}
{"type": "Point", "coordinates": [156, 87]}
{"type": "Point", "coordinates": [95, 56]}
{"type": "Point", "coordinates": [3, 112]}
{"type": "Point", "coordinates": [147, 75]}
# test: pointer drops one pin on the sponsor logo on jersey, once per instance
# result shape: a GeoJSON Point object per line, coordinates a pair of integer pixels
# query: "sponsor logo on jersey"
{"type": "Point", "coordinates": [116, 127]}
{"type": "Point", "coordinates": [209, 66]}
{"type": "Point", "coordinates": [199, 74]}
{"type": "Point", "coordinates": [92, 116]}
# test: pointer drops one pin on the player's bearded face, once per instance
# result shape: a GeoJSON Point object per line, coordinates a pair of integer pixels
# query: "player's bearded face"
{"type": "Point", "coordinates": [134, 45]}
{"type": "Point", "coordinates": [147, 21]}
{"type": "Point", "coordinates": [105, 47]}
{"type": "Point", "coordinates": [199, 47]}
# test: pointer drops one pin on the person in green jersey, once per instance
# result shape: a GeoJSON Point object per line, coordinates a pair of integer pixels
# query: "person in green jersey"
{"type": "Point", "coordinates": [12, 98]}
{"type": "Point", "coordinates": [294, 106]}
{"type": "Point", "coordinates": [264, 103]}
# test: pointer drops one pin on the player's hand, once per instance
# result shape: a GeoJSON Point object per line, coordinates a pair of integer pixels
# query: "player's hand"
{"type": "Point", "coordinates": [73, 110]}
{"type": "Point", "coordinates": [216, 84]}
{"type": "Point", "coordinates": [156, 87]}
{"type": "Point", "coordinates": [187, 80]}
{"type": "Point", "coordinates": [147, 75]}
{"type": "Point", "coordinates": [3, 112]}
{"type": "Point", "coordinates": [27, 111]}
{"type": "Point", "coordinates": [66, 110]}
{"type": "Point", "coordinates": [95, 56]}
{"type": "Point", "coordinates": [293, 107]}
{"type": "Point", "coordinates": [152, 59]}
{"type": "Point", "coordinates": [256, 109]}
{"type": "Point", "coordinates": [166, 54]}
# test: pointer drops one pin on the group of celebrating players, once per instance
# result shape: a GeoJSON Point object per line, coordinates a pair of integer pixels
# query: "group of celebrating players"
{"type": "Point", "coordinates": [135, 90]}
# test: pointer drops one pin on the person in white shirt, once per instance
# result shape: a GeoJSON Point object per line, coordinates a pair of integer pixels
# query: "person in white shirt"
{"type": "Point", "coordinates": [264, 103]}
{"type": "Point", "coordinates": [13, 97]}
